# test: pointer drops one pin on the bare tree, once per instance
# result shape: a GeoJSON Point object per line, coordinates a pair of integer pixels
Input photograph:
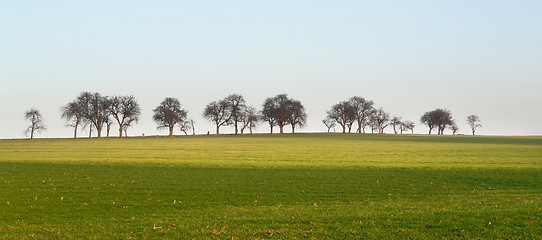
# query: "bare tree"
{"type": "Point", "coordinates": [454, 128]}
{"type": "Point", "coordinates": [108, 124]}
{"type": "Point", "coordinates": [36, 122]}
{"type": "Point", "coordinates": [192, 122]}
{"type": "Point", "coordinates": [127, 124]}
{"type": "Point", "coordinates": [95, 109]}
{"type": "Point", "coordinates": [397, 123]}
{"type": "Point", "coordinates": [344, 114]}
{"type": "Point", "coordinates": [329, 123]}
{"type": "Point", "coordinates": [236, 103]}
{"type": "Point", "coordinates": [218, 113]}
{"type": "Point", "coordinates": [373, 122]}
{"type": "Point", "coordinates": [72, 113]}
{"type": "Point", "coordinates": [185, 126]}
{"type": "Point", "coordinates": [440, 118]}
{"type": "Point", "coordinates": [281, 114]}
{"type": "Point", "coordinates": [268, 112]}
{"type": "Point", "coordinates": [427, 119]}
{"type": "Point", "coordinates": [296, 114]}
{"type": "Point", "coordinates": [443, 119]}
{"type": "Point", "coordinates": [474, 123]}
{"type": "Point", "coordinates": [249, 118]}
{"type": "Point", "coordinates": [408, 125]}
{"type": "Point", "coordinates": [362, 110]}
{"type": "Point", "coordinates": [169, 113]}
{"type": "Point", "coordinates": [382, 119]}
{"type": "Point", "coordinates": [124, 109]}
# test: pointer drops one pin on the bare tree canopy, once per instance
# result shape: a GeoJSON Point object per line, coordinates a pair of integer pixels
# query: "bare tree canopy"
{"type": "Point", "coordinates": [427, 119]}
{"type": "Point", "coordinates": [73, 115]}
{"type": "Point", "coordinates": [329, 123]}
{"type": "Point", "coordinates": [237, 105]}
{"type": "Point", "coordinates": [186, 126]}
{"type": "Point", "coordinates": [218, 113]}
{"type": "Point", "coordinates": [268, 114]}
{"type": "Point", "coordinates": [168, 114]}
{"type": "Point", "coordinates": [36, 122]}
{"type": "Point", "coordinates": [249, 118]}
{"type": "Point", "coordinates": [408, 125]}
{"type": "Point", "coordinates": [281, 111]}
{"type": "Point", "coordinates": [94, 107]}
{"type": "Point", "coordinates": [381, 118]}
{"type": "Point", "coordinates": [454, 128]}
{"type": "Point", "coordinates": [344, 114]}
{"type": "Point", "coordinates": [124, 109]}
{"type": "Point", "coordinates": [474, 123]}
{"type": "Point", "coordinates": [362, 111]}
{"type": "Point", "coordinates": [397, 124]}
{"type": "Point", "coordinates": [440, 118]}
{"type": "Point", "coordinates": [296, 114]}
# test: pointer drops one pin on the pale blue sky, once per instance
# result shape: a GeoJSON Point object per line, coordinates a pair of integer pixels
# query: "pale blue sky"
{"type": "Point", "coordinates": [472, 57]}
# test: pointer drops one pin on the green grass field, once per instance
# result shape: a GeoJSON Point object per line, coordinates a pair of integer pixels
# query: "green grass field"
{"type": "Point", "coordinates": [272, 187]}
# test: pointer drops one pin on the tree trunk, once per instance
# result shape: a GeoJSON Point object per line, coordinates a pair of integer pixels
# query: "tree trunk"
{"type": "Point", "coordinates": [359, 127]}
{"type": "Point", "coordinates": [121, 126]}
{"type": "Point", "coordinates": [344, 127]}
{"type": "Point", "coordinates": [217, 129]}
{"type": "Point", "coordinates": [271, 126]}
{"type": "Point", "coordinates": [293, 128]}
{"type": "Point", "coordinates": [171, 131]}
{"type": "Point", "coordinates": [75, 132]}
{"type": "Point", "coordinates": [473, 132]}
{"type": "Point", "coordinates": [236, 128]}
{"type": "Point", "coordinates": [99, 130]}
{"type": "Point", "coordinates": [281, 128]}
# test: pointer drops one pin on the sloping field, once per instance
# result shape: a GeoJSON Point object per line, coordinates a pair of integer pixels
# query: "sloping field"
{"type": "Point", "coordinates": [271, 186]}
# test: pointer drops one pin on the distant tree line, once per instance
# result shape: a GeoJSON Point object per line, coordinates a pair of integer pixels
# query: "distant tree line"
{"type": "Point", "coordinates": [95, 111]}
{"type": "Point", "coordinates": [361, 111]}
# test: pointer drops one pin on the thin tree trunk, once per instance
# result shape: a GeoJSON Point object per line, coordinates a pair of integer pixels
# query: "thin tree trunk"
{"type": "Point", "coordinates": [171, 131]}
{"type": "Point", "coordinates": [75, 132]}
{"type": "Point", "coordinates": [99, 130]}
{"type": "Point", "coordinates": [120, 130]}
{"type": "Point", "coordinates": [281, 128]}
{"type": "Point", "coordinates": [293, 128]}
{"type": "Point", "coordinates": [217, 129]}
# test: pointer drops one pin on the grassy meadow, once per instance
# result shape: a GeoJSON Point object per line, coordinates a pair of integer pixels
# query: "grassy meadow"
{"type": "Point", "coordinates": [310, 186]}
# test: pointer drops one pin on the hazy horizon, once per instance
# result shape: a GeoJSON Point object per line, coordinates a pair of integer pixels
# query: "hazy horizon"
{"type": "Point", "coordinates": [479, 58]}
